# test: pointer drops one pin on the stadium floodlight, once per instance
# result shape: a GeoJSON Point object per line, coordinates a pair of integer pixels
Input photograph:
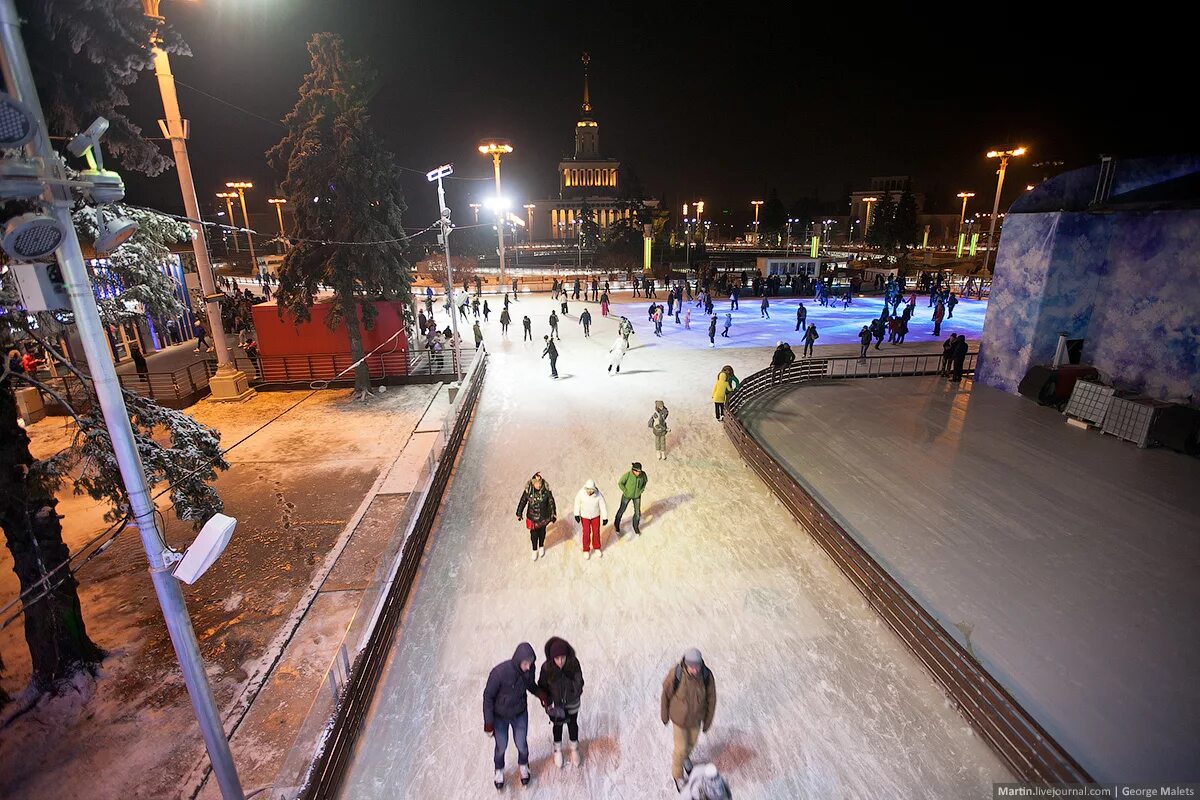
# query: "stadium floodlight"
{"type": "Point", "coordinates": [17, 124]}
{"type": "Point", "coordinates": [106, 185]}
{"type": "Point", "coordinates": [497, 203]}
{"type": "Point", "coordinates": [112, 233]}
{"type": "Point", "coordinates": [32, 236]}
{"type": "Point", "coordinates": [445, 170]}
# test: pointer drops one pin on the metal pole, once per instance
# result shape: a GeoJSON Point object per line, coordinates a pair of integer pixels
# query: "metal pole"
{"type": "Point", "coordinates": [499, 215]}
{"type": "Point", "coordinates": [249, 239]}
{"type": "Point", "coordinates": [995, 215]}
{"type": "Point", "coordinates": [19, 80]}
{"type": "Point", "coordinates": [962, 216]}
{"type": "Point", "coordinates": [445, 223]}
{"type": "Point", "coordinates": [237, 245]}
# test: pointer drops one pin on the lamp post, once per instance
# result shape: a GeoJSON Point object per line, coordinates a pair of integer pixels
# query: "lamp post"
{"type": "Point", "coordinates": [687, 241]}
{"type": "Point", "coordinates": [496, 148]}
{"type": "Point", "coordinates": [228, 383]}
{"type": "Point", "coordinates": [964, 196]}
{"type": "Point", "coordinates": [241, 187]}
{"type": "Point", "coordinates": [867, 224]}
{"type": "Point", "coordinates": [228, 198]}
{"type": "Point", "coordinates": [1004, 156]}
{"type": "Point", "coordinates": [475, 207]}
{"type": "Point", "coordinates": [529, 207]}
{"type": "Point", "coordinates": [444, 222]}
{"type": "Point", "coordinates": [699, 214]}
{"type": "Point", "coordinates": [278, 203]}
{"type": "Point", "coordinates": [756, 204]}
{"type": "Point", "coordinates": [788, 246]}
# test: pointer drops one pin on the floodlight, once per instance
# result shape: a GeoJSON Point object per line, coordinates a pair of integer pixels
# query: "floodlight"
{"type": "Point", "coordinates": [497, 203]}
{"type": "Point", "coordinates": [112, 233]}
{"type": "Point", "coordinates": [206, 549]}
{"type": "Point", "coordinates": [32, 236]}
{"type": "Point", "coordinates": [82, 142]}
{"type": "Point", "coordinates": [17, 122]}
{"type": "Point", "coordinates": [440, 172]}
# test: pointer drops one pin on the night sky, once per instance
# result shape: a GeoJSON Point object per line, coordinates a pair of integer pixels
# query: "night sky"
{"type": "Point", "coordinates": [720, 105]}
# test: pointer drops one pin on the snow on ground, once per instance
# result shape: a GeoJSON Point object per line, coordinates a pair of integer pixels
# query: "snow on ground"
{"type": "Point", "coordinates": [292, 487]}
{"type": "Point", "coordinates": [816, 697]}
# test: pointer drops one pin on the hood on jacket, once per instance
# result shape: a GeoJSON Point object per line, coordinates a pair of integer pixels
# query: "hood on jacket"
{"type": "Point", "coordinates": [524, 651]}
{"type": "Point", "coordinates": [551, 641]}
{"type": "Point", "coordinates": [529, 486]}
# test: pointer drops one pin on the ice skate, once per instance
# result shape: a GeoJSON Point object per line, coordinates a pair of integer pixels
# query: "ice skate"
{"type": "Point", "coordinates": [535, 555]}
{"type": "Point", "coordinates": [498, 779]}
{"type": "Point", "coordinates": [558, 756]}
{"type": "Point", "coordinates": [587, 555]}
{"type": "Point", "coordinates": [524, 775]}
{"type": "Point", "coordinates": [599, 553]}
{"type": "Point", "coordinates": [575, 755]}
{"type": "Point", "coordinates": [541, 552]}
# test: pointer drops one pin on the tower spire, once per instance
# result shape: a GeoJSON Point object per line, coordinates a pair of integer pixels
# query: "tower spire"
{"type": "Point", "coordinates": [586, 108]}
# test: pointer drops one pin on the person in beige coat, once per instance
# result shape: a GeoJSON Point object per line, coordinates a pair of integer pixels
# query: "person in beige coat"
{"type": "Point", "coordinates": [689, 700]}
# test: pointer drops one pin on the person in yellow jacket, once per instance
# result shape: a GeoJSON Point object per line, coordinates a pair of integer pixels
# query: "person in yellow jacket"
{"type": "Point", "coordinates": [726, 383]}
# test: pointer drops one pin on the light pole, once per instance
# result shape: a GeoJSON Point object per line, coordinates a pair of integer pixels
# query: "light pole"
{"type": "Point", "coordinates": [756, 204]}
{"type": "Point", "coordinates": [228, 383]}
{"type": "Point", "coordinates": [687, 241]}
{"type": "Point", "coordinates": [278, 203]}
{"type": "Point", "coordinates": [1004, 156]}
{"type": "Point", "coordinates": [241, 187]}
{"type": "Point", "coordinates": [475, 207]}
{"type": "Point", "coordinates": [788, 246]}
{"type": "Point", "coordinates": [56, 196]}
{"type": "Point", "coordinates": [444, 222]}
{"type": "Point", "coordinates": [867, 224]}
{"type": "Point", "coordinates": [964, 196]}
{"type": "Point", "coordinates": [699, 214]}
{"type": "Point", "coordinates": [529, 207]}
{"type": "Point", "coordinates": [496, 148]}
{"type": "Point", "coordinates": [228, 198]}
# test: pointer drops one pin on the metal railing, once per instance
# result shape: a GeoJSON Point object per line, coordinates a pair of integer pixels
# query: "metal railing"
{"type": "Point", "coordinates": [1011, 731]}
{"type": "Point", "coordinates": [336, 717]}
{"type": "Point", "coordinates": [401, 366]}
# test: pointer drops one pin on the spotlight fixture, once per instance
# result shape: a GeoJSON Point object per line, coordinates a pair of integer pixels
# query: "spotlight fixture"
{"type": "Point", "coordinates": [112, 233]}
{"type": "Point", "coordinates": [106, 185]}
{"type": "Point", "coordinates": [17, 125]}
{"type": "Point", "coordinates": [31, 237]}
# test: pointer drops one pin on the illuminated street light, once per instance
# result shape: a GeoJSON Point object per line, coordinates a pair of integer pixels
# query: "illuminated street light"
{"type": "Point", "coordinates": [756, 204]}
{"type": "Point", "coordinates": [228, 198]}
{"type": "Point", "coordinates": [964, 196]}
{"type": "Point", "coordinates": [529, 207]}
{"type": "Point", "coordinates": [1004, 156]}
{"type": "Point", "coordinates": [241, 187]}
{"type": "Point", "coordinates": [496, 148]}
{"type": "Point", "coordinates": [278, 203]}
{"type": "Point", "coordinates": [475, 207]}
{"type": "Point", "coordinates": [867, 224]}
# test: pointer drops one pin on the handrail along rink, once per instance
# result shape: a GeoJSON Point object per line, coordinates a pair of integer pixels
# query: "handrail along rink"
{"type": "Point", "coordinates": [1030, 752]}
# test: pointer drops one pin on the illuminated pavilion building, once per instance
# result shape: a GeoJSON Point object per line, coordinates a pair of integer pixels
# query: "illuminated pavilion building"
{"type": "Point", "coordinates": [586, 180]}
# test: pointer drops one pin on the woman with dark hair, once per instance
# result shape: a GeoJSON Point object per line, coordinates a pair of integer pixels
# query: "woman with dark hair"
{"type": "Point", "coordinates": [537, 508]}
{"type": "Point", "coordinates": [562, 682]}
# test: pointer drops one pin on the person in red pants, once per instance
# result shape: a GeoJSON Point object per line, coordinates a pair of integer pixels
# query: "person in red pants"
{"type": "Point", "coordinates": [591, 512]}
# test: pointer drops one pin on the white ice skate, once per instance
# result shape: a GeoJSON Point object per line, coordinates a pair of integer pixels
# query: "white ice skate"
{"type": "Point", "coordinates": [498, 779]}
{"type": "Point", "coordinates": [587, 555]}
{"type": "Point", "coordinates": [575, 756]}
{"type": "Point", "coordinates": [541, 552]}
{"type": "Point", "coordinates": [524, 775]}
{"type": "Point", "coordinates": [535, 554]}
{"type": "Point", "coordinates": [558, 757]}
{"type": "Point", "coordinates": [599, 554]}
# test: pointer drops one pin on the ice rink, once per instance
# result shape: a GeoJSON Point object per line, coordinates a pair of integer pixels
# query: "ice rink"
{"type": "Point", "coordinates": [817, 699]}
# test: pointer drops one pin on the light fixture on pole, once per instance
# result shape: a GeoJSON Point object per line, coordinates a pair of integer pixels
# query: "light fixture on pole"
{"type": "Point", "coordinates": [757, 204]}
{"type": "Point", "coordinates": [475, 207]}
{"type": "Point", "coordinates": [240, 187]}
{"type": "Point", "coordinates": [496, 148]}
{"type": "Point", "coordinates": [700, 213]}
{"type": "Point", "coordinates": [867, 224]}
{"type": "Point", "coordinates": [228, 198]}
{"type": "Point", "coordinates": [18, 77]}
{"type": "Point", "coordinates": [435, 176]}
{"type": "Point", "coordinates": [278, 202]}
{"type": "Point", "coordinates": [529, 207]}
{"type": "Point", "coordinates": [1004, 155]}
{"type": "Point", "coordinates": [229, 383]}
{"type": "Point", "coordinates": [964, 196]}
{"type": "Point", "coordinates": [791, 221]}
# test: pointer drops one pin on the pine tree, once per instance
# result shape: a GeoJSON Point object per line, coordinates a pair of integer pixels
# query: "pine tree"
{"type": "Point", "coordinates": [883, 220]}
{"type": "Point", "coordinates": [905, 226]}
{"type": "Point", "coordinates": [344, 187]}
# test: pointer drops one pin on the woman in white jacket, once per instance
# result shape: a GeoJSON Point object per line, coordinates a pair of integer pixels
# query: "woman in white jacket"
{"type": "Point", "coordinates": [591, 512]}
{"type": "Point", "coordinates": [617, 353]}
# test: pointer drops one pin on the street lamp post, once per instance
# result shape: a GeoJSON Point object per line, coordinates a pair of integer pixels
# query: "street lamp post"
{"type": "Point", "coordinates": [699, 214]}
{"type": "Point", "coordinates": [475, 207]}
{"type": "Point", "coordinates": [229, 383]}
{"type": "Point", "coordinates": [788, 245]}
{"type": "Point", "coordinates": [1004, 156]}
{"type": "Point", "coordinates": [756, 204]}
{"type": "Point", "coordinates": [496, 148]}
{"type": "Point", "coordinates": [228, 198]}
{"type": "Point", "coordinates": [529, 207]}
{"type": "Point", "coordinates": [278, 203]}
{"type": "Point", "coordinates": [964, 196]}
{"type": "Point", "coordinates": [241, 187]}
{"type": "Point", "coordinates": [867, 224]}
{"type": "Point", "coordinates": [444, 222]}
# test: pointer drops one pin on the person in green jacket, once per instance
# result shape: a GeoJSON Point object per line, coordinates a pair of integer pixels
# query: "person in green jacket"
{"type": "Point", "coordinates": [632, 484]}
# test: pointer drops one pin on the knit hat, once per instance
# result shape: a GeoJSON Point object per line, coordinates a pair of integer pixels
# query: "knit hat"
{"type": "Point", "coordinates": [591, 484]}
{"type": "Point", "coordinates": [637, 465]}
{"type": "Point", "coordinates": [559, 648]}
{"type": "Point", "coordinates": [693, 657]}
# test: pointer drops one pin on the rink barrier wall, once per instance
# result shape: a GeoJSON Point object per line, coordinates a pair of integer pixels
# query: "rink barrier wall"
{"type": "Point", "coordinates": [319, 772]}
{"type": "Point", "coordinates": [1029, 751]}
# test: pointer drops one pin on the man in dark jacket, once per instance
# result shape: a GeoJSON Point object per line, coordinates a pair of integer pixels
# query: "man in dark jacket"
{"type": "Point", "coordinates": [959, 354]}
{"type": "Point", "coordinates": [561, 682]}
{"type": "Point", "coordinates": [864, 338]}
{"type": "Point", "coordinates": [688, 701]}
{"type": "Point", "coordinates": [551, 351]}
{"type": "Point", "coordinates": [504, 707]}
{"type": "Point", "coordinates": [779, 361]}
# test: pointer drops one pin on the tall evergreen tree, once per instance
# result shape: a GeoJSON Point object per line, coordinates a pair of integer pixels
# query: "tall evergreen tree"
{"type": "Point", "coordinates": [905, 226]}
{"type": "Point", "coordinates": [773, 218]}
{"type": "Point", "coordinates": [344, 188]}
{"type": "Point", "coordinates": [883, 220]}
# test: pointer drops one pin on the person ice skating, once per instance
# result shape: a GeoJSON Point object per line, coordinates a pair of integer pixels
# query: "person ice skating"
{"type": "Point", "coordinates": [733, 298]}
{"type": "Point", "coordinates": [728, 324]}
{"type": "Point", "coordinates": [528, 325]}
{"type": "Point", "coordinates": [475, 329]}
{"type": "Point", "coordinates": [505, 708]}
{"type": "Point", "coordinates": [901, 329]}
{"type": "Point", "coordinates": [658, 318]}
{"type": "Point", "coordinates": [864, 338]}
{"type": "Point", "coordinates": [475, 307]}
{"type": "Point", "coordinates": [625, 329]}
{"type": "Point", "coordinates": [617, 353]}
{"type": "Point", "coordinates": [658, 424]}
{"type": "Point", "coordinates": [939, 313]}
{"type": "Point", "coordinates": [687, 320]}
{"type": "Point", "coordinates": [632, 484]}
{"type": "Point", "coordinates": [563, 306]}
{"type": "Point", "coordinates": [719, 393]}
{"type": "Point", "coordinates": [877, 331]}
{"type": "Point", "coordinates": [585, 319]}
{"type": "Point", "coordinates": [552, 351]}
{"type": "Point", "coordinates": [537, 506]}
{"type": "Point", "coordinates": [705, 782]}
{"type": "Point", "coordinates": [591, 512]}
{"type": "Point", "coordinates": [561, 682]}
{"type": "Point", "coordinates": [801, 316]}
{"type": "Point", "coordinates": [506, 301]}
{"type": "Point", "coordinates": [486, 311]}
{"type": "Point", "coordinates": [951, 302]}
{"type": "Point", "coordinates": [604, 303]}
{"type": "Point", "coordinates": [554, 325]}
{"type": "Point", "coordinates": [505, 319]}
{"type": "Point", "coordinates": [712, 331]}
{"type": "Point", "coordinates": [810, 336]}
{"type": "Point", "coordinates": [688, 703]}
{"type": "Point", "coordinates": [514, 290]}
{"type": "Point", "coordinates": [762, 309]}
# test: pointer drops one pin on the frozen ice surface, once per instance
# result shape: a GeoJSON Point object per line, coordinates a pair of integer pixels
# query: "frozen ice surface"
{"type": "Point", "coordinates": [817, 698]}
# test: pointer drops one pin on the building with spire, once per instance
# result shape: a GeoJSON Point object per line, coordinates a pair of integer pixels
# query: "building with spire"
{"type": "Point", "coordinates": [587, 182]}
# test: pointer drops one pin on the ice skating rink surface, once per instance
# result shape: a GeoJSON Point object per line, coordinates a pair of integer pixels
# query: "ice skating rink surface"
{"type": "Point", "coordinates": [817, 699]}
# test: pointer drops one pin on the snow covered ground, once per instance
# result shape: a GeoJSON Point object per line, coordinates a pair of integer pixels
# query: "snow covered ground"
{"type": "Point", "coordinates": [817, 699]}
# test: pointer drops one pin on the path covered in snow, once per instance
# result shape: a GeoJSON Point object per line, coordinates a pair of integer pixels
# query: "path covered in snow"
{"type": "Point", "coordinates": [817, 699]}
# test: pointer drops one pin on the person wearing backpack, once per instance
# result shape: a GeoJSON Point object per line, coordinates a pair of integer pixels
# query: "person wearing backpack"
{"type": "Point", "coordinates": [658, 424]}
{"type": "Point", "coordinates": [689, 700]}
